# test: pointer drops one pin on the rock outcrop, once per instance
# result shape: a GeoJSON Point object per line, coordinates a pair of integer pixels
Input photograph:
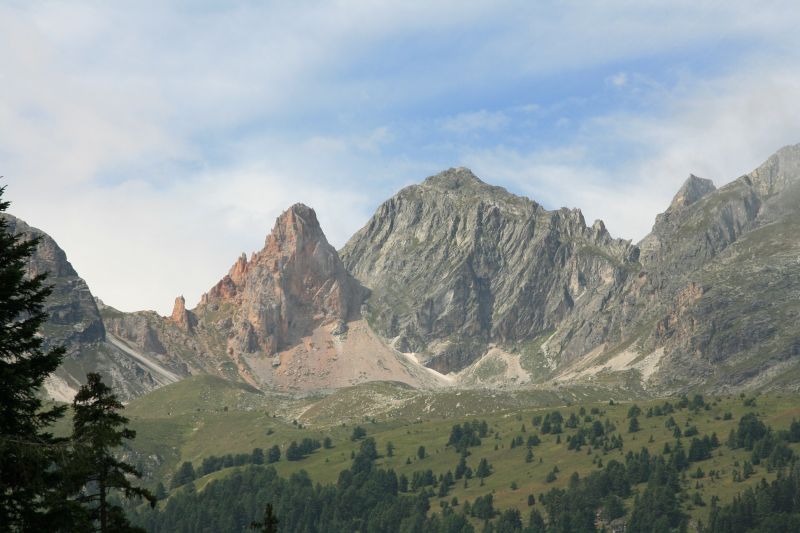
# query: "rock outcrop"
{"type": "Point", "coordinates": [181, 316]}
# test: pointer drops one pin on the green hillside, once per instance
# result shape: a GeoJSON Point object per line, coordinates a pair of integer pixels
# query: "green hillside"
{"type": "Point", "coordinates": [203, 417]}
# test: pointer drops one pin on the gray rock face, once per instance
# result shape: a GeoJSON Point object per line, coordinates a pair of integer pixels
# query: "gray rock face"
{"type": "Point", "coordinates": [75, 323]}
{"type": "Point", "coordinates": [718, 288]}
{"type": "Point", "coordinates": [740, 245]}
{"type": "Point", "coordinates": [74, 317]}
{"type": "Point", "coordinates": [455, 264]}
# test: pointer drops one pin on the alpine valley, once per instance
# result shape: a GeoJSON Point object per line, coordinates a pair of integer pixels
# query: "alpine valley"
{"type": "Point", "coordinates": [469, 346]}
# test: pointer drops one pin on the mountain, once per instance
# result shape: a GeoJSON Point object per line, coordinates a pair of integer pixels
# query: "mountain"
{"type": "Point", "coordinates": [714, 302]}
{"type": "Point", "coordinates": [294, 285]}
{"type": "Point", "coordinates": [731, 270]}
{"type": "Point", "coordinates": [457, 283]}
{"type": "Point", "coordinates": [493, 287]}
{"type": "Point", "coordinates": [287, 318]}
{"type": "Point", "coordinates": [456, 265]}
{"type": "Point", "coordinates": [75, 323]}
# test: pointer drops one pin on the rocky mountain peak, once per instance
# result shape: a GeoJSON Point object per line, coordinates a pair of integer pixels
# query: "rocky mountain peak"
{"type": "Point", "coordinates": [294, 284]}
{"type": "Point", "coordinates": [74, 316]}
{"type": "Point", "coordinates": [777, 172]}
{"type": "Point", "coordinates": [460, 184]}
{"type": "Point", "coordinates": [692, 190]}
{"type": "Point", "coordinates": [455, 264]}
{"type": "Point", "coordinates": [454, 178]}
{"type": "Point", "coordinates": [295, 228]}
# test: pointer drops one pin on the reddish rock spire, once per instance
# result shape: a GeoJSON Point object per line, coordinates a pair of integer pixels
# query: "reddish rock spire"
{"type": "Point", "coordinates": [294, 284]}
{"type": "Point", "coordinates": [181, 316]}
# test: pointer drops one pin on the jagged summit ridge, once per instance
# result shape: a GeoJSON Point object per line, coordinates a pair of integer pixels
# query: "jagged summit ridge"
{"type": "Point", "coordinates": [295, 226]}
{"type": "Point", "coordinates": [296, 231]}
{"type": "Point", "coordinates": [461, 184]}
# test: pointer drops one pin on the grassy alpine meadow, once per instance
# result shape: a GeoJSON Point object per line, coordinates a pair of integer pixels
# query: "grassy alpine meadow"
{"type": "Point", "coordinates": [530, 439]}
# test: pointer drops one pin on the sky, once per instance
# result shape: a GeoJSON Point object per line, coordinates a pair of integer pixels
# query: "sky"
{"type": "Point", "coordinates": [156, 141]}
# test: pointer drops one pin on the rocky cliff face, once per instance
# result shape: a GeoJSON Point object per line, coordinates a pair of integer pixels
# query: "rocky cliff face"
{"type": "Point", "coordinates": [73, 314]}
{"type": "Point", "coordinates": [741, 248]}
{"type": "Point", "coordinates": [714, 304]}
{"type": "Point", "coordinates": [76, 324]}
{"type": "Point", "coordinates": [295, 284]}
{"type": "Point", "coordinates": [455, 265]}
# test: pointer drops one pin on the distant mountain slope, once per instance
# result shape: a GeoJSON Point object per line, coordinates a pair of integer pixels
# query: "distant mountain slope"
{"type": "Point", "coordinates": [75, 323]}
{"type": "Point", "coordinates": [732, 266]}
{"type": "Point", "coordinates": [715, 303]}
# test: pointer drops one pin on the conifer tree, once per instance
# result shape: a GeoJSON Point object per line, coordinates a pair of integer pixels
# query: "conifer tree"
{"type": "Point", "coordinates": [99, 429]}
{"type": "Point", "coordinates": [257, 457]}
{"type": "Point", "coordinates": [269, 524]}
{"type": "Point", "coordinates": [274, 454]}
{"type": "Point", "coordinates": [185, 474]}
{"type": "Point", "coordinates": [28, 452]}
{"type": "Point", "coordinates": [483, 470]}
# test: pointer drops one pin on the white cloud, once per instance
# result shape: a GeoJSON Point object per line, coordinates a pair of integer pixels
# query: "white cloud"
{"type": "Point", "coordinates": [620, 79]}
{"type": "Point", "coordinates": [156, 140]}
{"type": "Point", "coordinates": [718, 129]}
{"type": "Point", "coordinates": [141, 245]}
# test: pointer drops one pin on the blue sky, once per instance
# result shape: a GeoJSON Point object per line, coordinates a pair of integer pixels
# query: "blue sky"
{"type": "Point", "coordinates": [158, 140]}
